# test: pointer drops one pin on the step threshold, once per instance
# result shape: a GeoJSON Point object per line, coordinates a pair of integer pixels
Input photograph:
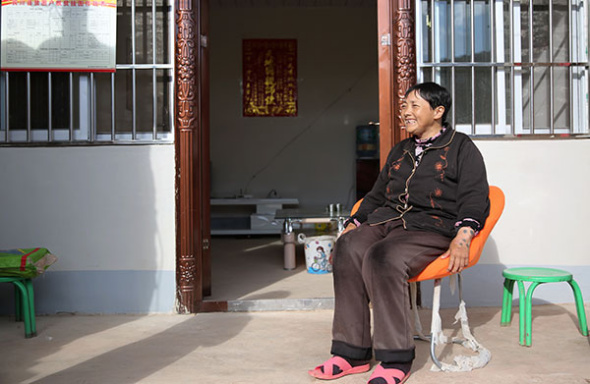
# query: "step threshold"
{"type": "Point", "coordinates": [280, 304]}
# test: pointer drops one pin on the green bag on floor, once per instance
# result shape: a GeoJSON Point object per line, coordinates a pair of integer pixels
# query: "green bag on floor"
{"type": "Point", "coordinates": [25, 262]}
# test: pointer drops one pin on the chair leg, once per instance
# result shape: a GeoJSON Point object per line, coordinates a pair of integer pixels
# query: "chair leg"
{"type": "Point", "coordinates": [528, 313]}
{"type": "Point", "coordinates": [435, 325]}
{"type": "Point", "coordinates": [579, 307]}
{"type": "Point", "coordinates": [417, 323]}
{"type": "Point", "coordinates": [461, 363]}
{"type": "Point", "coordinates": [507, 302]}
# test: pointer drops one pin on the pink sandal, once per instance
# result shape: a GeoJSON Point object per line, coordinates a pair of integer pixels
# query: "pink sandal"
{"type": "Point", "coordinates": [390, 375]}
{"type": "Point", "coordinates": [339, 362]}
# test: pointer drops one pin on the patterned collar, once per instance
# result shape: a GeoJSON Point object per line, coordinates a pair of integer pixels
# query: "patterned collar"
{"type": "Point", "coordinates": [421, 145]}
{"type": "Point", "coordinates": [428, 142]}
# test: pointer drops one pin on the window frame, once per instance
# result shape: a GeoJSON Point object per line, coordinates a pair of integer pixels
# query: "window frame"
{"type": "Point", "coordinates": [506, 72]}
{"type": "Point", "coordinates": [82, 128]}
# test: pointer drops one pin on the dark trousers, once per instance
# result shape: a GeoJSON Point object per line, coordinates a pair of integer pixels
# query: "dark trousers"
{"type": "Point", "coordinates": [372, 265]}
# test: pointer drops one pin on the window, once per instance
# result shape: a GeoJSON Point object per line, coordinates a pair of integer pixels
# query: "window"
{"type": "Point", "coordinates": [133, 105]}
{"type": "Point", "coordinates": [513, 67]}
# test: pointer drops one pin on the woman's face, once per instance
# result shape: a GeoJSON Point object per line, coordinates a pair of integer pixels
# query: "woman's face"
{"type": "Point", "coordinates": [419, 118]}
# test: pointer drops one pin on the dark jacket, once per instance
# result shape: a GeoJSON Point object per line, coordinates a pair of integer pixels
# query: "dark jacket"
{"type": "Point", "coordinates": [448, 186]}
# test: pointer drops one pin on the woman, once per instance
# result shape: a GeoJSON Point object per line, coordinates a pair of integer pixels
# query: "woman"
{"type": "Point", "coordinates": [430, 198]}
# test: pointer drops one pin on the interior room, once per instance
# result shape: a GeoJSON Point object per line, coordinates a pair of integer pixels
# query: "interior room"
{"type": "Point", "coordinates": [310, 157]}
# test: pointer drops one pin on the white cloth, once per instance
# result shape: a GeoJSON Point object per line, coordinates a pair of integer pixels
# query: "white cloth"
{"type": "Point", "coordinates": [460, 363]}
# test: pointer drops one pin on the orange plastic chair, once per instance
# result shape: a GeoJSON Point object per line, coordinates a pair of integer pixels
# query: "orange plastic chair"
{"type": "Point", "coordinates": [437, 270]}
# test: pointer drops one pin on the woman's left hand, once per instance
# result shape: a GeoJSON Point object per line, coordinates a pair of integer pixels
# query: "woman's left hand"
{"type": "Point", "coordinates": [458, 252]}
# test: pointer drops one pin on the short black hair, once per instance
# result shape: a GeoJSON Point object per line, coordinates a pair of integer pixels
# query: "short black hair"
{"type": "Point", "coordinates": [435, 95]}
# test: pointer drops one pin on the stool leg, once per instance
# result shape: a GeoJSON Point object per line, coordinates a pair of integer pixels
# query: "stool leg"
{"type": "Point", "coordinates": [528, 309]}
{"type": "Point", "coordinates": [507, 302]}
{"type": "Point", "coordinates": [18, 308]}
{"type": "Point", "coordinates": [521, 311]}
{"type": "Point", "coordinates": [31, 297]}
{"type": "Point", "coordinates": [579, 307]}
{"type": "Point", "coordinates": [25, 306]}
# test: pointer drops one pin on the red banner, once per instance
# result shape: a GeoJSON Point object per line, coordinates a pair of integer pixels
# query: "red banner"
{"type": "Point", "coordinates": [269, 77]}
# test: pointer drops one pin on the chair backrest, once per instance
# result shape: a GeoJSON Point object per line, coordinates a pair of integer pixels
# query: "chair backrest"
{"type": "Point", "coordinates": [438, 268]}
{"type": "Point", "coordinates": [355, 207]}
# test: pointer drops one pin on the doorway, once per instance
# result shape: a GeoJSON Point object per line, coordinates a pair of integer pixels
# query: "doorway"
{"type": "Point", "coordinates": [309, 157]}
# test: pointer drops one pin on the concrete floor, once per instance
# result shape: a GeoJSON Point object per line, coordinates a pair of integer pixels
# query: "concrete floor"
{"type": "Point", "coordinates": [268, 347]}
{"type": "Point", "coordinates": [271, 346]}
{"type": "Point", "coordinates": [252, 269]}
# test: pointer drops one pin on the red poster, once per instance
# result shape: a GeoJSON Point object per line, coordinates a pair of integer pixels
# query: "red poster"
{"type": "Point", "coordinates": [269, 77]}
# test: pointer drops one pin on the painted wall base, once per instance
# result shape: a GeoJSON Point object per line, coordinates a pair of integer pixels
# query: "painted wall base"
{"type": "Point", "coordinates": [483, 287]}
{"type": "Point", "coordinates": [138, 292]}
{"type": "Point", "coordinates": [99, 292]}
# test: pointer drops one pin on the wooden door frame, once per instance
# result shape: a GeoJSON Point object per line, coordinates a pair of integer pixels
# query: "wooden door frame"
{"type": "Point", "coordinates": [205, 166]}
{"type": "Point", "coordinates": [397, 72]}
{"type": "Point", "coordinates": [397, 67]}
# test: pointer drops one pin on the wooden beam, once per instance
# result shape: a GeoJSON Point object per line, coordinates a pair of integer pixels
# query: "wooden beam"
{"type": "Point", "coordinates": [384, 36]}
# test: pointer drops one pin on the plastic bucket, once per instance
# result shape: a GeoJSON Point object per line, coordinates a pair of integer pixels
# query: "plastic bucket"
{"type": "Point", "coordinates": [318, 252]}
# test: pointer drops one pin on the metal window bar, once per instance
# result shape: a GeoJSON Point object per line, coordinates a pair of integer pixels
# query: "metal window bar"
{"type": "Point", "coordinates": [49, 114]}
{"type": "Point", "coordinates": [493, 58]}
{"type": "Point", "coordinates": [29, 107]}
{"type": "Point", "coordinates": [571, 57]}
{"type": "Point", "coordinates": [512, 74]}
{"type": "Point", "coordinates": [92, 135]}
{"type": "Point", "coordinates": [6, 107]}
{"type": "Point", "coordinates": [532, 70]}
{"type": "Point", "coordinates": [71, 107]}
{"type": "Point", "coordinates": [92, 126]}
{"type": "Point", "coordinates": [515, 64]}
{"type": "Point", "coordinates": [154, 85]}
{"type": "Point", "coordinates": [453, 106]}
{"type": "Point", "coordinates": [112, 107]}
{"type": "Point", "coordinates": [133, 75]}
{"type": "Point", "coordinates": [551, 58]}
{"type": "Point", "coordinates": [472, 47]}
{"type": "Point", "coordinates": [7, 120]}
{"type": "Point", "coordinates": [171, 95]}
{"type": "Point", "coordinates": [433, 57]}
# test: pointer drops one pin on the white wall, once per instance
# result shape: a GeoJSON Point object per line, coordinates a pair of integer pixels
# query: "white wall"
{"type": "Point", "coordinates": [311, 156]}
{"type": "Point", "coordinates": [106, 212]}
{"type": "Point", "coordinates": [547, 185]}
{"type": "Point", "coordinates": [545, 220]}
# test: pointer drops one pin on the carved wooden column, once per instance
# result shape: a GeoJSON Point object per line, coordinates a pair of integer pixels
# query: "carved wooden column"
{"type": "Point", "coordinates": [404, 59]}
{"type": "Point", "coordinates": [397, 67]}
{"type": "Point", "coordinates": [403, 71]}
{"type": "Point", "coordinates": [188, 258]}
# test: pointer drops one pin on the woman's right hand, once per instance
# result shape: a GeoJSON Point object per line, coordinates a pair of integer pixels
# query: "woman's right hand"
{"type": "Point", "coordinates": [348, 228]}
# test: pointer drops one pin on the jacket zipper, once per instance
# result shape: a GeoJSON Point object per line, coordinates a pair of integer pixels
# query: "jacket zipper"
{"type": "Point", "coordinates": [405, 208]}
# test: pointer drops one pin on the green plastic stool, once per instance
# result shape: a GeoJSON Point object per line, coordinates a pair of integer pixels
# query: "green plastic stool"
{"type": "Point", "coordinates": [536, 276]}
{"type": "Point", "coordinates": [24, 303]}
